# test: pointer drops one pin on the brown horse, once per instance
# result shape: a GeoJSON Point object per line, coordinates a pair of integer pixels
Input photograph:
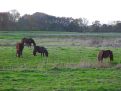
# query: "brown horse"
{"type": "Point", "coordinates": [41, 50]}
{"type": "Point", "coordinates": [19, 49]}
{"type": "Point", "coordinates": [28, 41]}
{"type": "Point", "coordinates": [105, 54]}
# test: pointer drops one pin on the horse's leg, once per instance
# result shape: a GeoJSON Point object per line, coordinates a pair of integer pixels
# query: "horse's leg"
{"type": "Point", "coordinates": [19, 54]}
{"type": "Point", "coordinates": [101, 61]}
{"type": "Point", "coordinates": [40, 53]}
{"type": "Point", "coordinates": [30, 45]}
{"type": "Point", "coordinates": [16, 53]}
{"type": "Point", "coordinates": [43, 54]}
{"type": "Point", "coordinates": [98, 61]}
{"type": "Point", "coordinates": [110, 59]}
{"type": "Point", "coordinates": [34, 52]}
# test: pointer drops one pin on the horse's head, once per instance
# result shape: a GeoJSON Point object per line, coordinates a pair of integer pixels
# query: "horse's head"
{"type": "Point", "coordinates": [23, 40]}
{"type": "Point", "coordinates": [100, 55]}
{"type": "Point", "coordinates": [28, 41]}
{"type": "Point", "coordinates": [46, 53]}
{"type": "Point", "coordinates": [32, 41]}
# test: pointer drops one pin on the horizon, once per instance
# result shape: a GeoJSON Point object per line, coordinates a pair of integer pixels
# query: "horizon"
{"type": "Point", "coordinates": [106, 11]}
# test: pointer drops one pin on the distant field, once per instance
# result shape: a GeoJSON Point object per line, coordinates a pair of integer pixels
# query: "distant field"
{"type": "Point", "coordinates": [47, 38]}
{"type": "Point", "coordinates": [71, 66]}
{"type": "Point", "coordinates": [19, 34]}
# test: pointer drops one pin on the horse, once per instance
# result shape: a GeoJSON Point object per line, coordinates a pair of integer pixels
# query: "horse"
{"type": "Point", "coordinates": [41, 50]}
{"type": "Point", "coordinates": [28, 41]}
{"type": "Point", "coordinates": [19, 49]}
{"type": "Point", "coordinates": [105, 54]}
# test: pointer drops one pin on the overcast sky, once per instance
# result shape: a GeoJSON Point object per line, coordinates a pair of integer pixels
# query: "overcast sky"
{"type": "Point", "coordinates": [102, 10]}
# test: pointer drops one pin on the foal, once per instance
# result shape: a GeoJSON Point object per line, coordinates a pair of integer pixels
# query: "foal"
{"type": "Point", "coordinates": [41, 50]}
{"type": "Point", "coordinates": [19, 49]}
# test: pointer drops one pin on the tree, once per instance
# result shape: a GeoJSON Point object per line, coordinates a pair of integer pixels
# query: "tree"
{"type": "Point", "coordinates": [95, 27]}
{"type": "Point", "coordinates": [117, 27]}
{"type": "Point", "coordinates": [4, 20]}
{"type": "Point", "coordinates": [104, 28]}
{"type": "Point", "coordinates": [15, 15]}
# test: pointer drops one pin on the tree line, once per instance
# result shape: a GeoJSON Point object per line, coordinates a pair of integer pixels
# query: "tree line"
{"type": "Point", "coordinates": [40, 21]}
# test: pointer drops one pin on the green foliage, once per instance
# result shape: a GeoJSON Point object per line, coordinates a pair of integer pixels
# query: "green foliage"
{"type": "Point", "coordinates": [40, 21]}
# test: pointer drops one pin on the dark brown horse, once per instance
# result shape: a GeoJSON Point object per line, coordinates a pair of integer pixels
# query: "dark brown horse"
{"type": "Point", "coordinates": [105, 54]}
{"type": "Point", "coordinates": [19, 49]}
{"type": "Point", "coordinates": [28, 41]}
{"type": "Point", "coordinates": [41, 50]}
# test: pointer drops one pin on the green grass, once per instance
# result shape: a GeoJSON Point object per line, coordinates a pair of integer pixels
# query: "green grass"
{"type": "Point", "coordinates": [69, 67]}
{"type": "Point", "coordinates": [31, 73]}
{"type": "Point", "coordinates": [62, 80]}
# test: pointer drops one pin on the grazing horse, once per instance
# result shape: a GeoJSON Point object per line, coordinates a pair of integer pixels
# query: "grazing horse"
{"type": "Point", "coordinates": [105, 54]}
{"type": "Point", "coordinates": [28, 41]}
{"type": "Point", "coordinates": [41, 50]}
{"type": "Point", "coordinates": [19, 49]}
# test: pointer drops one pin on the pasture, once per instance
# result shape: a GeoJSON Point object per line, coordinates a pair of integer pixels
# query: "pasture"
{"type": "Point", "coordinates": [71, 66]}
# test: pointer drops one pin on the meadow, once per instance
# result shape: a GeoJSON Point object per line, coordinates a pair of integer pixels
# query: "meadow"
{"type": "Point", "coordinates": [71, 66]}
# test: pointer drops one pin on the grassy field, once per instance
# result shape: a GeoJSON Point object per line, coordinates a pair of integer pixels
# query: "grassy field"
{"type": "Point", "coordinates": [71, 66]}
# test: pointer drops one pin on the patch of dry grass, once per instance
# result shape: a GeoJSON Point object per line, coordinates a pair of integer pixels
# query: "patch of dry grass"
{"type": "Point", "coordinates": [85, 64]}
{"type": "Point", "coordinates": [118, 66]}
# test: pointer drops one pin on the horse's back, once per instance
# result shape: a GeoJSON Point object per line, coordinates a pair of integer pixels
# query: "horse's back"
{"type": "Point", "coordinates": [104, 53]}
{"type": "Point", "coordinates": [107, 53]}
{"type": "Point", "coordinates": [40, 49]}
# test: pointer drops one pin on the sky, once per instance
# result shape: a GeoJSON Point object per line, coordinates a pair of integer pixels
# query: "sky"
{"type": "Point", "coordinates": [105, 11]}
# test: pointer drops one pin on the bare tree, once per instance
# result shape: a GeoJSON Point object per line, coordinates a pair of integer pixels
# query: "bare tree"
{"type": "Point", "coordinates": [4, 20]}
{"type": "Point", "coordinates": [15, 15]}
